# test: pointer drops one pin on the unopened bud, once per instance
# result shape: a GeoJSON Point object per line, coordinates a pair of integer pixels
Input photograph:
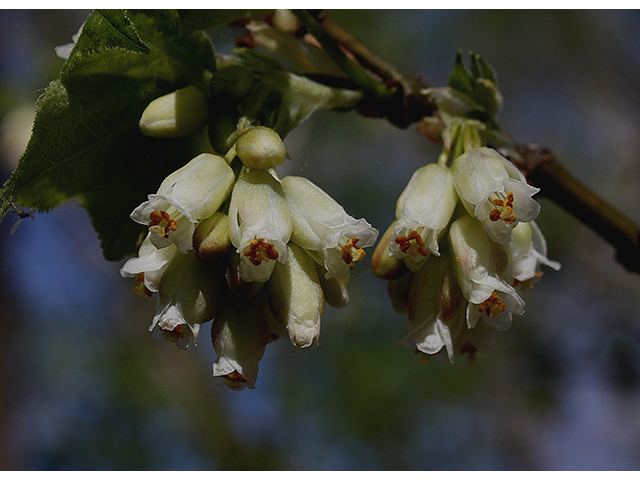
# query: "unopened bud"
{"type": "Point", "coordinates": [334, 288]}
{"type": "Point", "coordinates": [260, 148]}
{"type": "Point", "coordinates": [399, 293]}
{"type": "Point", "coordinates": [176, 114]}
{"type": "Point", "coordinates": [384, 266]}
{"type": "Point", "coordinates": [211, 237]}
{"type": "Point", "coordinates": [285, 21]}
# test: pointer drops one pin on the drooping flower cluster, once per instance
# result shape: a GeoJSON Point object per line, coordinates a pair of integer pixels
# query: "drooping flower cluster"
{"type": "Point", "coordinates": [463, 243]}
{"type": "Point", "coordinates": [230, 242]}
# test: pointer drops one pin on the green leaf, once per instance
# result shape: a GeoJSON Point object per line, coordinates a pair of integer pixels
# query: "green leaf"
{"type": "Point", "coordinates": [478, 85]}
{"type": "Point", "coordinates": [141, 44]}
{"type": "Point", "coordinates": [86, 142]}
{"type": "Point", "coordinates": [460, 79]}
{"type": "Point", "coordinates": [105, 30]}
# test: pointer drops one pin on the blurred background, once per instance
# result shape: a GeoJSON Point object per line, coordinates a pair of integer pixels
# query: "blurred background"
{"type": "Point", "coordinates": [83, 386]}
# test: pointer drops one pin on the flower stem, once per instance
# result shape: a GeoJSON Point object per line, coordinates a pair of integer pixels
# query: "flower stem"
{"type": "Point", "coordinates": [543, 170]}
{"type": "Point", "coordinates": [355, 72]}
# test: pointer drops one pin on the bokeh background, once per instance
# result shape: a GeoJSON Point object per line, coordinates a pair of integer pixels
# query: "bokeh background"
{"type": "Point", "coordinates": [84, 386]}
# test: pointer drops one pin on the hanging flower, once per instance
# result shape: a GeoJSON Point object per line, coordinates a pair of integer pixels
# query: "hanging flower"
{"type": "Point", "coordinates": [189, 295]}
{"type": "Point", "coordinates": [477, 265]}
{"type": "Point", "coordinates": [423, 211]}
{"type": "Point", "coordinates": [433, 300]}
{"type": "Point", "coordinates": [148, 266]}
{"type": "Point", "coordinates": [239, 334]}
{"type": "Point", "coordinates": [494, 191]}
{"type": "Point", "coordinates": [322, 227]}
{"type": "Point", "coordinates": [188, 195]}
{"type": "Point", "coordinates": [296, 298]}
{"type": "Point", "coordinates": [526, 253]}
{"type": "Point", "coordinates": [259, 224]}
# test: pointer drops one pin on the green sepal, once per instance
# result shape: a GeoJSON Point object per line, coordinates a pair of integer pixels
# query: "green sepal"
{"type": "Point", "coordinates": [478, 84]}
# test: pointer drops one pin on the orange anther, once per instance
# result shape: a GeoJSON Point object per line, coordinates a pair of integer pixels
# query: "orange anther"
{"type": "Point", "coordinates": [411, 244]}
{"type": "Point", "coordinates": [506, 212]}
{"type": "Point", "coordinates": [140, 287]}
{"type": "Point", "coordinates": [351, 252]}
{"type": "Point", "coordinates": [493, 306]}
{"type": "Point", "coordinates": [164, 221]}
{"type": "Point", "coordinates": [259, 250]}
{"type": "Point", "coordinates": [173, 335]}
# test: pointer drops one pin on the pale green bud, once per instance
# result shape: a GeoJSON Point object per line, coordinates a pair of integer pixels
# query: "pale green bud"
{"type": "Point", "coordinates": [334, 289]}
{"type": "Point", "coordinates": [383, 265]}
{"type": "Point", "coordinates": [211, 237]}
{"type": "Point", "coordinates": [260, 148]}
{"type": "Point", "coordinates": [176, 114]}
{"type": "Point", "coordinates": [398, 290]}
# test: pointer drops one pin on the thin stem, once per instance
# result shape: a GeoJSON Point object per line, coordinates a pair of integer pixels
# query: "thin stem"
{"type": "Point", "coordinates": [355, 72]}
{"type": "Point", "coordinates": [362, 53]}
{"type": "Point", "coordinates": [407, 102]}
{"type": "Point", "coordinates": [556, 183]}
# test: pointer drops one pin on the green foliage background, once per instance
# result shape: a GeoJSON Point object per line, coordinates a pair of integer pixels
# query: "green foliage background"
{"type": "Point", "coordinates": [84, 386]}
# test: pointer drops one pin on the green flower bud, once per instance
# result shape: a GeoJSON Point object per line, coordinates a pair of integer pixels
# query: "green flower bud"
{"type": "Point", "coordinates": [382, 264]}
{"type": "Point", "coordinates": [334, 289]}
{"type": "Point", "coordinates": [176, 114]}
{"type": "Point", "coordinates": [211, 237]}
{"type": "Point", "coordinates": [260, 148]}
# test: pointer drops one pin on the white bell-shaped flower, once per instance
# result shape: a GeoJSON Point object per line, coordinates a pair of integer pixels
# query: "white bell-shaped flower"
{"type": "Point", "coordinates": [322, 227]}
{"type": "Point", "coordinates": [259, 224]}
{"type": "Point", "coordinates": [477, 264]}
{"type": "Point", "coordinates": [494, 191]}
{"type": "Point", "coordinates": [189, 294]}
{"type": "Point", "coordinates": [423, 211]}
{"type": "Point", "coordinates": [433, 298]}
{"type": "Point", "coordinates": [296, 298]}
{"type": "Point", "coordinates": [526, 252]}
{"type": "Point", "coordinates": [239, 335]}
{"type": "Point", "coordinates": [188, 195]}
{"type": "Point", "coordinates": [148, 266]}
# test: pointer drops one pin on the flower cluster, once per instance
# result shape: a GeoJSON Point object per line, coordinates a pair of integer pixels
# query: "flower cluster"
{"type": "Point", "coordinates": [229, 241]}
{"type": "Point", "coordinates": [463, 243]}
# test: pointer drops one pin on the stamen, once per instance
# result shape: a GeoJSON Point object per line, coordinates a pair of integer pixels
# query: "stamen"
{"type": "Point", "coordinates": [351, 252]}
{"type": "Point", "coordinates": [493, 306]}
{"type": "Point", "coordinates": [259, 250]}
{"type": "Point", "coordinates": [161, 223]}
{"type": "Point", "coordinates": [234, 379]}
{"type": "Point", "coordinates": [411, 244]}
{"type": "Point", "coordinates": [173, 335]}
{"type": "Point", "coordinates": [527, 284]}
{"type": "Point", "coordinates": [141, 288]}
{"type": "Point", "coordinates": [505, 213]}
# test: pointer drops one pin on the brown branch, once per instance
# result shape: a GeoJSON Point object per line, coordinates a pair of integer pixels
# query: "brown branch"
{"type": "Point", "coordinates": [543, 170]}
{"type": "Point", "coordinates": [540, 167]}
{"type": "Point", "coordinates": [406, 104]}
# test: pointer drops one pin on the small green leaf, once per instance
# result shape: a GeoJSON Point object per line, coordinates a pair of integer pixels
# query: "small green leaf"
{"type": "Point", "coordinates": [460, 79]}
{"type": "Point", "coordinates": [482, 68]}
